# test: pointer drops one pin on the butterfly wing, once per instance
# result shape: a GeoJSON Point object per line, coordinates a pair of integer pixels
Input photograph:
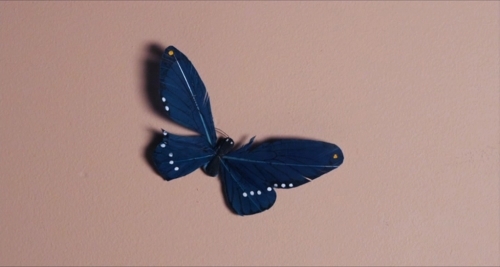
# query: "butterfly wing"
{"type": "Point", "coordinates": [184, 96]}
{"type": "Point", "coordinates": [245, 196]}
{"type": "Point", "coordinates": [281, 163]}
{"type": "Point", "coordinates": [177, 155]}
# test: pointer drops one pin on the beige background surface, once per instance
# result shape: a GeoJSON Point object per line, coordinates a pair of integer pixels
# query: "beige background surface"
{"type": "Point", "coordinates": [409, 91]}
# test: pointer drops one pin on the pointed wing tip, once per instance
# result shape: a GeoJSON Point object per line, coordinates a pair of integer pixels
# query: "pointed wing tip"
{"type": "Point", "coordinates": [172, 50]}
{"type": "Point", "coordinates": [337, 156]}
{"type": "Point", "coordinates": [171, 47]}
{"type": "Point", "coordinates": [172, 53]}
{"type": "Point", "coordinates": [168, 179]}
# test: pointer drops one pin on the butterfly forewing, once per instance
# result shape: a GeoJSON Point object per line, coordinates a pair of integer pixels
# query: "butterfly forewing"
{"type": "Point", "coordinates": [249, 174]}
{"type": "Point", "coordinates": [286, 163]}
{"type": "Point", "coordinates": [184, 96]}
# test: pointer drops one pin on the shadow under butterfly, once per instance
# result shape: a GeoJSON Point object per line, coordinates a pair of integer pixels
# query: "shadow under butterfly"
{"type": "Point", "coordinates": [250, 174]}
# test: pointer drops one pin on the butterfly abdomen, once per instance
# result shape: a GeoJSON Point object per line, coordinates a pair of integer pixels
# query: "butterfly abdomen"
{"type": "Point", "coordinates": [223, 147]}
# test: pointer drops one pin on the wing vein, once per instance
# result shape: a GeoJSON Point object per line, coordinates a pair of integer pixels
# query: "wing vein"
{"type": "Point", "coordinates": [279, 163]}
{"type": "Point", "coordinates": [195, 103]}
{"type": "Point", "coordinates": [237, 182]}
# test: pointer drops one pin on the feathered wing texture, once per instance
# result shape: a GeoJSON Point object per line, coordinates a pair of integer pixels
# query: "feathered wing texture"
{"type": "Point", "coordinates": [184, 95]}
{"type": "Point", "coordinates": [249, 175]}
{"type": "Point", "coordinates": [177, 155]}
{"type": "Point", "coordinates": [246, 196]}
{"type": "Point", "coordinates": [285, 163]}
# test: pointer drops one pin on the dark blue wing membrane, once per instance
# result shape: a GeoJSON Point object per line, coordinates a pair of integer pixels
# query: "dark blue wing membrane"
{"type": "Point", "coordinates": [177, 156]}
{"type": "Point", "coordinates": [249, 174]}
{"type": "Point", "coordinates": [184, 96]}
{"type": "Point", "coordinates": [245, 195]}
{"type": "Point", "coordinates": [285, 163]}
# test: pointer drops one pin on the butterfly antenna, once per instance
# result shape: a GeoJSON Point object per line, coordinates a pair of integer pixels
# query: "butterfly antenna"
{"type": "Point", "coordinates": [221, 132]}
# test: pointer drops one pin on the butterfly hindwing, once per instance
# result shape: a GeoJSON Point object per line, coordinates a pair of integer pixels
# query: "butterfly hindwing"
{"type": "Point", "coordinates": [184, 96]}
{"type": "Point", "coordinates": [286, 163]}
{"type": "Point", "coordinates": [177, 155]}
{"type": "Point", "coordinates": [244, 195]}
{"type": "Point", "coordinates": [249, 174]}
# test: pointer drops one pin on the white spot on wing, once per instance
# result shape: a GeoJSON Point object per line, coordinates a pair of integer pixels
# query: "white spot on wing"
{"type": "Point", "coordinates": [283, 185]}
{"type": "Point", "coordinates": [176, 168]}
{"type": "Point", "coordinates": [163, 99]}
{"type": "Point", "coordinates": [171, 162]}
{"type": "Point", "coordinates": [290, 185]}
{"type": "Point", "coordinates": [245, 194]}
{"type": "Point", "coordinates": [258, 192]}
{"type": "Point", "coordinates": [251, 193]}
{"type": "Point", "coordinates": [162, 145]}
{"type": "Point", "coordinates": [170, 154]}
{"type": "Point", "coordinates": [167, 108]}
{"type": "Point", "coordinates": [269, 189]}
{"type": "Point", "coordinates": [275, 185]}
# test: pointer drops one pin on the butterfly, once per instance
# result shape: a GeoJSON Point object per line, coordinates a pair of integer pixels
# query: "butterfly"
{"type": "Point", "coordinates": [250, 174]}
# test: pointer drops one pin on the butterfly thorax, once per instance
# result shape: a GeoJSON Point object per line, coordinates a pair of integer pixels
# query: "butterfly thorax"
{"type": "Point", "coordinates": [223, 147]}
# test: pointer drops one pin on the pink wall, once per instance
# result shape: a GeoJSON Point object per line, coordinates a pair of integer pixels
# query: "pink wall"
{"type": "Point", "coordinates": [409, 91]}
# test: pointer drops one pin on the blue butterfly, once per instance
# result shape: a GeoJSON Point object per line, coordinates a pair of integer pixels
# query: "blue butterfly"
{"type": "Point", "coordinates": [250, 174]}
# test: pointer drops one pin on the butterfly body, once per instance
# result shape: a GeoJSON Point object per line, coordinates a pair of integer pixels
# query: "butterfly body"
{"type": "Point", "coordinates": [225, 145]}
{"type": "Point", "coordinates": [250, 174]}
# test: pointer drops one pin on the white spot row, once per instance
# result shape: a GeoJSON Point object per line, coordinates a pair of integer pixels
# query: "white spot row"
{"type": "Point", "coordinates": [245, 194]}
{"type": "Point", "coordinates": [283, 185]}
{"type": "Point", "coordinates": [170, 155]}
{"type": "Point", "coordinates": [163, 100]}
{"type": "Point", "coordinates": [252, 193]}
{"type": "Point", "coordinates": [172, 162]}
